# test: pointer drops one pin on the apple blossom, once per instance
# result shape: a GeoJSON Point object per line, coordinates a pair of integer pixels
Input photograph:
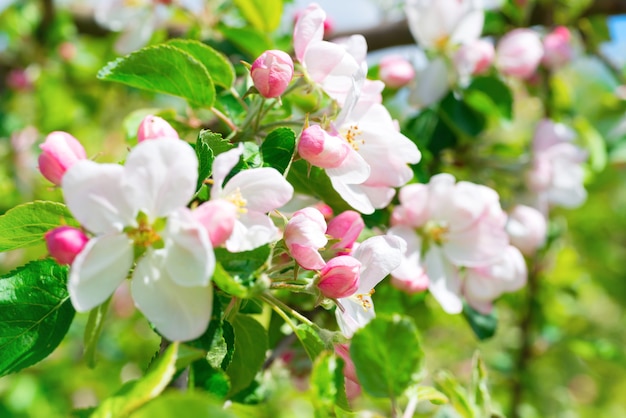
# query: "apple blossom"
{"type": "Point", "coordinates": [527, 229]}
{"type": "Point", "coordinates": [558, 48]}
{"type": "Point", "coordinates": [484, 284]}
{"type": "Point", "coordinates": [272, 72]}
{"type": "Point", "coordinates": [154, 127]}
{"type": "Point", "coordinates": [395, 71]}
{"type": "Point", "coordinates": [60, 151]}
{"type": "Point", "coordinates": [557, 175]}
{"type": "Point", "coordinates": [474, 58]}
{"type": "Point", "coordinates": [459, 225]}
{"type": "Point", "coordinates": [304, 236]}
{"type": "Point", "coordinates": [331, 65]}
{"type": "Point", "coordinates": [218, 219]}
{"type": "Point", "coordinates": [339, 278]}
{"type": "Point", "coordinates": [254, 192]}
{"type": "Point", "coordinates": [378, 256]}
{"type": "Point", "coordinates": [65, 242]}
{"type": "Point", "coordinates": [345, 227]}
{"type": "Point", "coordinates": [321, 149]}
{"type": "Point", "coordinates": [137, 212]}
{"type": "Point", "coordinates": [519, 53]}
{"type": "Point", "coordinates": [436, 24]}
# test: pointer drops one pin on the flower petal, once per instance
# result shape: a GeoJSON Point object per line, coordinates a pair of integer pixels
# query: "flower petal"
{"type": "Point", "coordinates": [189, 257]}
{"type": "Point", "coordinates": [308, 29]}
{"type": "Point", "coordinates": [98, 270]}
{"type": "Point", "coordinates": [160, 176]}
{"type": "Point", "coordinates": [252, 230]}
{"type": "Point", "coordinates": [179, 313]}
{"type": "Point", "coordinates": [355, 316]}
{"type": "Point", "coordinates": [353, 170]}
{"type": "Point", "coordinates": [445, 284]}
{"type": "Point", "coordinates": [222, 165]}
{"type": "Point", "coordinates": [379, 256]}
{"type": "Point", "coordinates": [263, 189]}
{"type": "Point", "coordinates": [92, 192]}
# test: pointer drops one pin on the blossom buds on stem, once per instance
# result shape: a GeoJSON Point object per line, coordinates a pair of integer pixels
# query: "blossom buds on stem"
{"type": "Point", "coordinates": [65, 242]}
{"type": "Point", "coordinates": [272, 72]}
{"type": "Point", "coordinates": [154, 127]}
{"type": "Point", "coordinates": [339, 278]}
{"type": "Point", "coordinates": [59, 152]}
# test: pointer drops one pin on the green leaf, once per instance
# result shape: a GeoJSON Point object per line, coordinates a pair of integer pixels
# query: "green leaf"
{"type": "Point", "coordinates": [278, 148]}
{"type": "Point", "coordinates": [490, 95]}
{"type": "Point", "coordinates": [25, 225]}
{"type": "Point", "coordinates": [188, 404]}
{"type": "Point", "coordinates": [262, 14]}
{"type": "Point", "coordinates": [215, 141]}
{"type": "Point", "coordinates": [313, 181]}
{"type": "Point", "coordinates": [456, 394]}
{"type": "Point", "coordinates": [93, 331]}
{"type": "Point", "coordinates": [593, 142]}
{"type": "Point", "coordinates": [228, 283]}
{"type": "Point", "coordinates": [250, 40]}
{"type": "Point", "coordinates": [205, 161]}
{"type": "Point", "coordinates": [244, 264]}
{"type": "Point", "coordinates": [249, 355]}
{"type": "Point", "coordinates": [217, 65]}
{"type": "Point", "coordinates": [483, 325]}
{"type": "Point", "coordinates": [461, 118]}
{"type": "Point", "coordinates": [187, 355]}
{"type": "Point", "coordinates": [429, 393]}
{"type": "Point", "coordinates": [328, 383]}
{"type": "Point", "coordinates": [311, 341]}
{"type": "Point", "coordinates": [36, 313]}
{"type": "Point", "coordinates": [387, 354]}
{"type": "Point", "coordinates": [480, 391]}
{"type": "Point", "coordinates": [135, 394]}
{"type": "Point", "coordinates": [163, 69]}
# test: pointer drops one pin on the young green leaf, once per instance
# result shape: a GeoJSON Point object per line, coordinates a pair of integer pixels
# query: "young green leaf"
{"type": "Point", "coordinates": [188, 404]}
{"type": "Point", "coordinates": [93, 330]}
{"type": "Point", "coordinates": [249, 355]}
{"type": "Point", "coordinates": [328, 383]}
{"type": "Point", "coordinates": [278, 148]}
{"type": "Point", "coordinates": [163, 69]}
{"type": "Point", "coordinates": [135, 394]}
{"type": "Point", "coordinates": [26, 224]}
{"type": "Point", "coordinates": [36, 313]}
{"type": "Point", "coordinates": [483, 325]}
{"type": "Point", "coordinates": [262, 14]}
{"type": "Point", "coordinates": [205, 162]}
{"type": "Point", "coordinates": [387, 354]}
{"type": "Point", "coordinates": [457, 395]}
{"type": "Point", "coordinates": [216, 143]}
{"type": "Point", "coordinates": [311, 341]}
{"type": "Point", "coordinates": [490, 95]}
{"type": "Point", "coordinates": [218, 66]}
{"type": "Point", "coordinates": [314, 182]}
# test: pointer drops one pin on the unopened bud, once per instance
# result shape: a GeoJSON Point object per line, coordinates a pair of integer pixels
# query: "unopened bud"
{"type": "Point", "coordinates": [395, 71]}
{"type": "Point", "coordinates": [60, 151]}
{"type": "Point", "coordinates": [218, 218]}
{"type": "Point", "coordinates": [340, 277]}
{"type": "Point", "coordinates": [154, 127]}
{"type": "Point", "coordinates": [272, 72]}
{"type": "Point", "coordinates": [519, 52]}
{"type": "Point", "coordinates": [321, 149]}
{"type": "Point", "coordinates": [558, 48]}
{"type": "Point", "coordinates": [345, 227]}
{"type": "Point", "coordinates": [475, 57]}
{"type": "Point", "coordinates": [65, 242]}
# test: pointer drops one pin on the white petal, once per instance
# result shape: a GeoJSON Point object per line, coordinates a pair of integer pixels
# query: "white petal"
{"type": "Point", "coordinates": [160, 176]}
{"type": "Point", "coordinates": [354, 195]}
{"type": "Point", "coordinates": [445, 284]}
{"type": "Point", "coordinates": [355, 316]}
{"type": "Point", "coordinates": [353, 170]}
{"type": "Point", "coordinates": [222, 165]}
{"type": "Point", "coordinates": [379, 256]}
{"type": "Point", "coordinates": [179, 313]}
{"type": "Point", "coordinates": [309, 29]}
{"type": "Point", "coordinates": [98, 270]}
{"type": "Point", "coordinates": [252, 230]}
{"type": "Point", "coordinates": [93, 193]}
{"type": "Point", "coordinates": [189, 258]}
{"type": "Point", "coordinates": [264, 189]}
{"type": "Point", "coordinates": [410, 269]}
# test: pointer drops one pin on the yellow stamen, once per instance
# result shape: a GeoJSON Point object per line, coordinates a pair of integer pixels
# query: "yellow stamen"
{"type": "Point", "coordinates": [238, 200]}
{"type": "Point", "coordinates": [351, 136]}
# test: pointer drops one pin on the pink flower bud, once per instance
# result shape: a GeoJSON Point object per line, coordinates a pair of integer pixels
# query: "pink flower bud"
{"type": "Point", "coordinates": [395, 71]}
{"type": "Point", "coordinates": [527, 229]}
{"type": "Point", "coordinates": [346, 227]}
{"type": "Point", "coordinates": [519, 52]}
{"type": "Point", "coordinates": [304, 236]}
{"type": "Point", "coordinates": [272, 73]}
{"type": "Point", "coordinates": [474, 58]}
{"type": "Point", "coordinates": [65, 242]}
{"type": "Point", "coordinates": [558, 48]}
{"type": "Point", "coordinates": [218, 218]}
{"type": "Point", "coordinates": [59, 152]}
{"type": "Point", "coordinates": [18, 80]}
{"type": "Point", "coordinates": [321, 149]}
{"type": "Point", "coordinates": [340, 277]}
{"type": "Point", "coordinates": [154, 127]}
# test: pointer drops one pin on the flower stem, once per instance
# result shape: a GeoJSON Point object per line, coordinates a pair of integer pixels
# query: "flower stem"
{"type": "Point", "coordinates": [224, 118]}
{"type": "Point", "coordinates": [279, 305]}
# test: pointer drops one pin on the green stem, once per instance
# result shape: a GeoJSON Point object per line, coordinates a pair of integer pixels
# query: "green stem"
{"type": "Point", "coordinates": [269, 298]}
{"type": "Point", "coordinates": [224, 118]}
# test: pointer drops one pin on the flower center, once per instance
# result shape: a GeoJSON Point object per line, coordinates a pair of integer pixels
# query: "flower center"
{"type": "Point", "coordinates": [238, 200]}
{"type": "Point", "coordinates": [146, 234]}
{"type": "Point", "coordinates": [365, 303]}
{"type": "Point", "coordinates": [437, 231]}
{"type": "Point", "coordinates": [351, 135]}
